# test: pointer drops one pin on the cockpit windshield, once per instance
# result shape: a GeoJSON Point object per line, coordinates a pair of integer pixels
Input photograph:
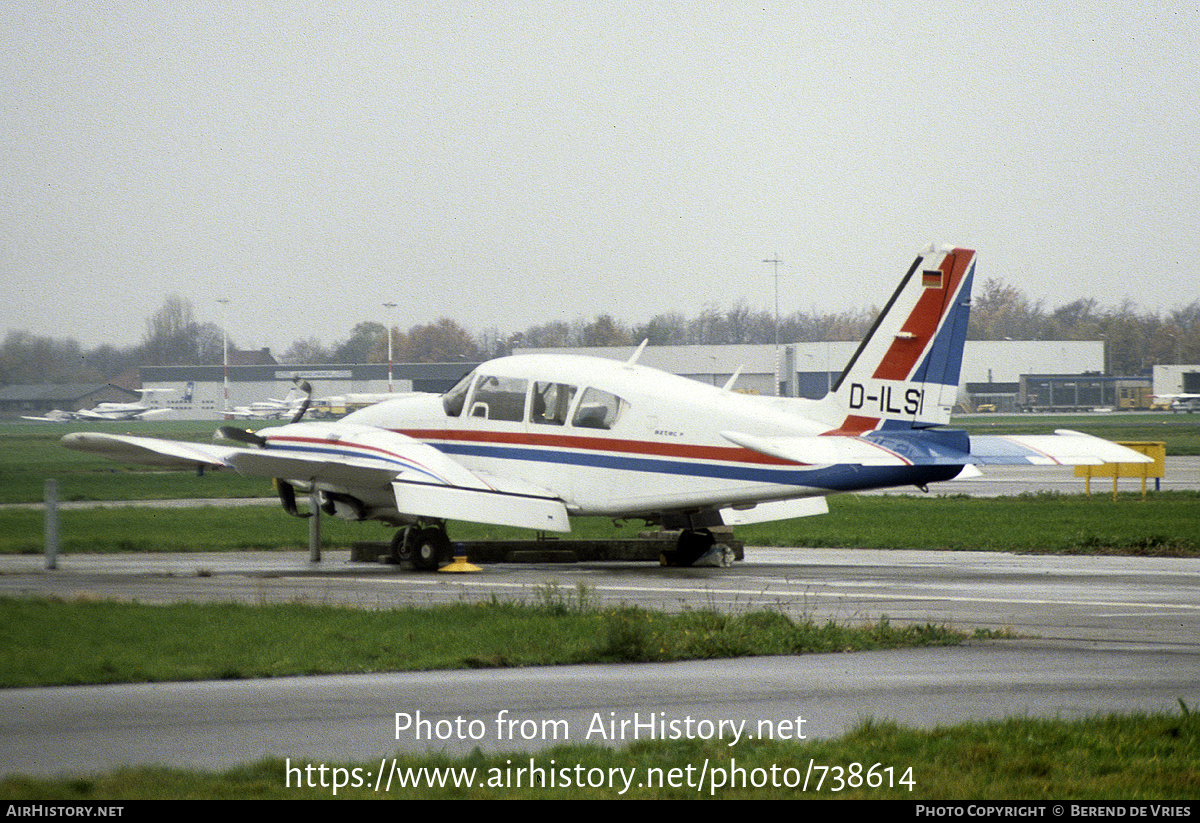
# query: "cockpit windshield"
{"type": "Point", "coordinates": [454, 400]}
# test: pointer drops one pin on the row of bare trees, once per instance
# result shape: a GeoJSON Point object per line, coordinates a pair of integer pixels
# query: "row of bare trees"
{"type": "Point", "coordinates": [173, 337]}
{"type": "Point", "coordinates": [1135, 339]}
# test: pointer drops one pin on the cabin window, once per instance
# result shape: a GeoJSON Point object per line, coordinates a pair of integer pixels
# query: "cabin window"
{"type": "Point", "coordinates": [453, 400]}
{"type": "Point", "coordinates": [551, 401]}
{"type": "Point", "coordinates": [499, 398]}
{"type": "Point", "coordinates": [598, 410]}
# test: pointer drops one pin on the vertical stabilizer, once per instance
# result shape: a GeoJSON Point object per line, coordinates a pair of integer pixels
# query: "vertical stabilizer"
{"type": "Point", "coordinates": [905, 373]}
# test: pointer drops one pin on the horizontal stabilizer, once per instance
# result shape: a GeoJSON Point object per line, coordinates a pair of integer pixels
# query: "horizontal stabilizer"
{"type": "Point", "coordinates": [151, 451]}
{"type": "Point", "coordinates": [481, 506]}
{"type": "Point", "coordinates": [1063, 448]}
{"type": "Point", "coordinates": [941, 447]}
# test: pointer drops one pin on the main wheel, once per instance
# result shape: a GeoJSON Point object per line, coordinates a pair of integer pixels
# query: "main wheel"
{"type": "Point", "coordinates": [429, 548]}
{"type": "Point", "coordinates": [690, 547]}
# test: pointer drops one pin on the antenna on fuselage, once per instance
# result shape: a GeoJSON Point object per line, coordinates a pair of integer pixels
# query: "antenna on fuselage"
{"type": "Point", "coordinates": [729, 383]}
{"type": "Point", "coordinates": [634, 357]}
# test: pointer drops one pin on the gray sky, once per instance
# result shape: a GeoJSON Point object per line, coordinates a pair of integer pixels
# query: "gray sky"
{"type": "Point", "coordinates": [514, 163]}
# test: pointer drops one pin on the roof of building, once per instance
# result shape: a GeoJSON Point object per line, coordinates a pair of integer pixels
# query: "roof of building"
{"type": "Point", "coordinates": [57, 392]}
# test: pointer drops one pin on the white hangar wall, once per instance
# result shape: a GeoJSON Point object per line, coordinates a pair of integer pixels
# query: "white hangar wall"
{"type": "Point", "coordinates": [811, 364]}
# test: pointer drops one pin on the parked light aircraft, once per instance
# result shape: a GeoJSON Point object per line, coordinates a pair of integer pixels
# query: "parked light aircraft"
{"type": "Point", "coordinates": [532, 440]}
{"type": "Point", "coordinates": [112, 411]}
{"type": "Point", "coordinates": [1180, 402]}
{"type": "Point", "coordinates": [298, 397]}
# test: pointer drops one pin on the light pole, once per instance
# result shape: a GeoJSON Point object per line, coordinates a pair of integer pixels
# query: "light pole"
{"type": "Point", "coordinates": [224, 301]}
{"type": "Point", "coordinates": [389, 331]}
{"type": "Point", "coordinates": [775, 261]}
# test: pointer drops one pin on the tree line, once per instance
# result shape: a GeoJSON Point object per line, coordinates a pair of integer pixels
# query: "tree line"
{"type": "Point", "coordinates": [1135, 340]}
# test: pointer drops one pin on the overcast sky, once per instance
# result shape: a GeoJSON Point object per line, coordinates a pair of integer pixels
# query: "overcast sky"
{"type": "Point", "coordinates": [507, 164]}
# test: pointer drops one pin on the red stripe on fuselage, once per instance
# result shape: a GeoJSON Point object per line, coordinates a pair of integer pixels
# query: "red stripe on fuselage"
{"type": "Point", "coordinates": [726, 453]}
{"type": "Point", "coordinates": [853, 426]}
{"type": "Point", "coordinates": [904, 352]}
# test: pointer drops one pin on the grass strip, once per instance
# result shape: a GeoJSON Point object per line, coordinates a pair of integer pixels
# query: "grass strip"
{"type": "Point", "coordinates": [1131, 757]}
{"type": "Point", "coordinates": [48, 642]}
{"type": "Point", "coordinates": [1165, 524]}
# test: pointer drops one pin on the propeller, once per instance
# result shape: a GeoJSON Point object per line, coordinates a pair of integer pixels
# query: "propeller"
{"type": "Point", "coordinates": [306, 387]}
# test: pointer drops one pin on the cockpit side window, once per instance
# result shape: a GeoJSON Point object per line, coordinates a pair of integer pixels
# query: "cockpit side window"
{"type": "Point", "coordinates": [598, 410]}
{"type": "Point", "coordinates": [453, 400]}
{"type": "Point", "coordinates": [551, 402]}
{"type": "Point", "coordinates": [499, 398]}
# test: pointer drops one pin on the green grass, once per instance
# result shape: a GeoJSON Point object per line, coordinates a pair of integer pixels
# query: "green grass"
{"type": "Point", "coordinates": [206, 528]}
{"type": "Point", "coordinates": [1138, 757]}
{"type": "Point", "coordinates": [46, 642]}
{"type": "Point", "coordinates": [30, 453]}
{"type": "Point", "coordinates": [1166, 523]}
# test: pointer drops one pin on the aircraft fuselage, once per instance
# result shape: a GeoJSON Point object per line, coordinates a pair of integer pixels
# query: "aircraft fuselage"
{"type": "Point", "coordinates": [617, 440]}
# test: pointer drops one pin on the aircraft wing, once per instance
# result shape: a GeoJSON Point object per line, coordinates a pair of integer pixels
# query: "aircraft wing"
{"type": "Point", "coordinates": [423, 481]}
{"type": "Point", "coordinates": [933, 447]}
{"type": "Point", "coordinates": [151, 451]}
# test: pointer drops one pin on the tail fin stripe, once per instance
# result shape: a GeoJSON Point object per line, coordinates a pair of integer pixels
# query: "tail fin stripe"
{"type": "Point", "coordinates": [923, 323]}
{"type": "Point", "coordinates": [941, 365]}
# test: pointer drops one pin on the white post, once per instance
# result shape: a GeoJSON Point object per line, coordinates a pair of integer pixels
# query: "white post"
{"type": "Point", "coordinates": [314, 526]}
{"type": "Point", "coordinates": [50, 498]}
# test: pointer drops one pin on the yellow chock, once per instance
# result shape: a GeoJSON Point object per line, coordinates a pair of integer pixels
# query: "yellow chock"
{"type": "Point", "coordinates": [460, 566]}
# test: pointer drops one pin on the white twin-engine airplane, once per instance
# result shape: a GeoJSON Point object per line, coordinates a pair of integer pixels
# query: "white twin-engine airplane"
{"type": "Point", "coordinates": [532, 440]}
{"type": "Point", "coordinates": [112, 411]}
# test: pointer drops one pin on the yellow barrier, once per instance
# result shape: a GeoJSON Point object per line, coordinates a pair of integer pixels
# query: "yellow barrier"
{"type": "Point", "coordinates": [1151, 448]}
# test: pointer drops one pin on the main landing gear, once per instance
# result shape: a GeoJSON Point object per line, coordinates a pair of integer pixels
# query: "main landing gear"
{"type": "Point", "coordinates": [690, 547]}
{"type": "Point", "coordinates": [426, 547]}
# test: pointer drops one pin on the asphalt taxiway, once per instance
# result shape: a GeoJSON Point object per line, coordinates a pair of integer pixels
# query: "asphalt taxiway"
{"type": "Point", "coordinates": [1098, 634]}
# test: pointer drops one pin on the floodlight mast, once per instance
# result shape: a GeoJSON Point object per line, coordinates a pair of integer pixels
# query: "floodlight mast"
{"type": "Point", "coordinates": [224, 301]}
{"type": "Point", "coordinates": [389, 332]}
{"type": "Point", "coordinates": [775, 261]}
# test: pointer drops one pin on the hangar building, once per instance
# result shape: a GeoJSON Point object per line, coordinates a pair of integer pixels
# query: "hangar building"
{"type": "Point", "coordinates": [992, 371]}
{"type": "Point", "coordinates": [990, 367]}
{"type": "Point", "coordinates": [200, 390]}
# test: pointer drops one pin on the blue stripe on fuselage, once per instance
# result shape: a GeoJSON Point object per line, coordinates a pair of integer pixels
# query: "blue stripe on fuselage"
{"type": "Point", "coordinates": [831, 478]}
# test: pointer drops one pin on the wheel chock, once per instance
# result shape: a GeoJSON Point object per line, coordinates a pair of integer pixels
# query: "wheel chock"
{"type": "Point", "coordinates": [460, 566]}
